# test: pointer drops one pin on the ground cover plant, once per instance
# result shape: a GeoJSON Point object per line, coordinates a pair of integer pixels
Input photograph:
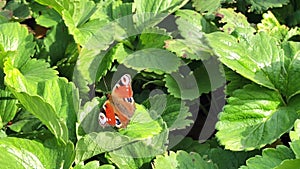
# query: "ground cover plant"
{"type": "Point", "coordinates": [216, 84]}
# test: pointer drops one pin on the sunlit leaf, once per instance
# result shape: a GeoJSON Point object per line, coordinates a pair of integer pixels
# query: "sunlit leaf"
{"type": "Point", "coordinates": [93, 165]}
{"type": "Point", "coordinates": [207, 7]}
{"type": "Point", "coordinates": [50, 101]}
{"type": "Point", "coordinates": [16, 43]}
{"type": "Point", "coordinates": [23, 153]}
{"type": "Point", "coordinates": [8, 107]}
{"type": "Point", "coordinates": [137, 153]}
{"type": "Point", "coordinates": [234, 21]}
{"type": "Point", "coordinates": [151, 12]}
{"type": "Point", "coordinates": [259, 59]}
{"type": "Point", "coordinates": [96, 143]}
{"type": "Point", "coordinates": [182, 159]}
{"type": "Point", "coordinates": [153, 59]}
{"type": "Point", "coordinates": [192, 26]}
{"type": "Point", "coordinates": [142, 125]}
{"type": "Point", "coordinates": [262, 5]}
{"type": "Point", "coordinates": [270, 158]}
{"type": "Point", "coordinates": [253, 118]}
{"type": "Point", "coordinates": [271, 25]}
{"type": "Point", "coordinates": [173, 111]}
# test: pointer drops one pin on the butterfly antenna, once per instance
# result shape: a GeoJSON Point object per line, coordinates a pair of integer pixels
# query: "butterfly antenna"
{"type": "Point", "coordinates": [104, 81]}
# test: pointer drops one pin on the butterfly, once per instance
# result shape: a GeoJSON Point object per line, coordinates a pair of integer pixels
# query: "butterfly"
{"type": "Point", "coordinates": [120, 106]}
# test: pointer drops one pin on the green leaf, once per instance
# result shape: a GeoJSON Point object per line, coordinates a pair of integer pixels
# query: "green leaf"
{"type": "Point", "coordinates": [8, 107]}
{"type": "Point", "coordinates": [120, 10]}
{"type": "Point", "coordinates": [270, 158]}
{"type": "Point", "coordinates": [173, 111]}
{"type": "Point", "coordinates": [243, 59]}
{"type": "Point", "coordinates": [19, 10]}
{"type": "Point", "coordinates": [235, 22]}
{"type": "Point", "coordinates": [182, 84]}
{"type": "Point", "coordinates": [93, 165]}
{"type": "Point", "coordinates": [294, 163]}
{"type": "Point", "coordinates": [254, 117]}
{"type": "Point", "coordinates": [43, 111]}
{"type": "Point", "coordinates": [25, 122]}
{"type": "Point", "coordinates": [141, 152]}
{"type": "Point", "coordinates": [271, 25]}
{"type": "Point", "coordinates": [96, 143]}
{"type": "Point", "coordinates": [259, 59]}
{"type": "Point", "coordinates": [120, 52]}
{"type": "Point", "coordinates": [292, 18]}
{"type": "Point", "coordinates": [50, 101]}
{"type": "Point", "coordinates": [56, 42]}
{"type": "Point", "coordinates": [23, 153]}
{"type": "Point", "coordinates": [16, 43]}
{"type": "Point", "coordinates": [15, 38]}
{"type": "Point", "coordinates": [2, 4]}
{"type": "Point", "coordinates": [195, 21]}
{"type": "Point", "coordinates": [91, 65]}
{"type": "Point", "coordinates": [58, 5]}
{"type": "Point", "coordinates": [158, 6]}
{"type": "Point", "coordinates": [262, 5]}
{"type": "Point", "coordinates": [207, 7]}
{"type": "Point", "coordinates": [90, 29]}
{"type": "Point", "coordinates": [151, 12]}
{"type": "Point", "coordinates": [63, 97]}
{"type": "Point", "coordinates": [2, 13]}
{"type": "Point", "coordinates": [181, 48]}
{"type": "Point", "coordinates": [295, 146]}
{"type": "Point", "coordinates": [141, 125]}
{"type": "Point", "coordinates": [2, 133]}
{"type": "Point", "coordinates": [87, 117]}
{"type": "Point", "coordinates": [295, 138]}
{"type": "Point", "coordinates": [222, 158]}
{"type": "Point", "coordinates": [5, 16]}
{"type": "Point", "coordinates": [167, 161]}
{"type": "Point", "coordinates": [209, 75]}
{"type": "Point", "coordinates": [236, 81]}
{"type": "Point", "coordinates": [77, 17]}
{"type": "Point", "coordinates": [127, 162]}
{"type": "Point", "coordinates": [66, 65]}
{"type": "Point", "coordinates": [153, 59]}
{"type": "Point", "coordinates": [153, 38]}
{"type": "Point", "coordinates": [45, 16]}
{"type": "Point", "coordinates": [229, 159]}
{"type": "Point", "coordinates": [295, 135]}
{"type": "Point", "coordinates": [182, 159]}
{"type": "Point", "coordinates": [189, 145]}
{"type": "Point", "coordinates": [2, 86]}
{"type": "Point", "coordinates": [37, 70]}
{"type": "Point", "coordinates": [192, 26]}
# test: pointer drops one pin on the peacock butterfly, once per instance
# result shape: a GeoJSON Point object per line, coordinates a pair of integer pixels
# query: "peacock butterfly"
{"type": "Point", "coordinates": [120, 106]}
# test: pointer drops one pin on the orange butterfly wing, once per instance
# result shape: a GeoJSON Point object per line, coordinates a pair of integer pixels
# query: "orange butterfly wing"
{"type": "Point", "coordinates": [120, 106]}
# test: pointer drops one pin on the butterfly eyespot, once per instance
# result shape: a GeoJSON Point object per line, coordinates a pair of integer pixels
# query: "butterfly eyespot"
{"type": "Point", "coordinates": [102, 118]}
{"type": "Point", "coordinates": [118, 122]}
{"type": "Point", "coordinates": [128, 99]}
{"type": "Point", "coordinates": [125, 80]}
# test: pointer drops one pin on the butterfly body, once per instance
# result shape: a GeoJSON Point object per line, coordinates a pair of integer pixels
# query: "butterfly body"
{"type": "Point", "coordinates": [120, 106]}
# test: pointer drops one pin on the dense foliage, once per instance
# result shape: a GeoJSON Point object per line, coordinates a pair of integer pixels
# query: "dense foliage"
{"type": "Point", "coordinates": [216, 83]}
